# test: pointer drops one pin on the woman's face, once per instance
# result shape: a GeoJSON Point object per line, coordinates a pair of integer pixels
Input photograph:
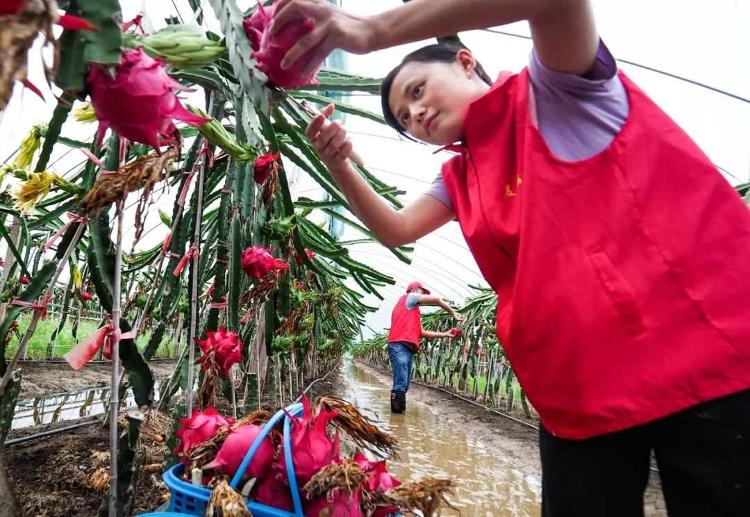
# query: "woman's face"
{"type": "Point", "coordinates": [429, 100]}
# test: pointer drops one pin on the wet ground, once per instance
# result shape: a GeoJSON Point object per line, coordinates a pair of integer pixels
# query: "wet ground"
{"type": "Point", "coordinates": [508, 446]}
{"type": "Point", "coordinates": [489, 482]}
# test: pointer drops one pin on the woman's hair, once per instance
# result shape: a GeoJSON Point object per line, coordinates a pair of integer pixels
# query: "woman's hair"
{"type": "Point", "coordinates": [441, 53]}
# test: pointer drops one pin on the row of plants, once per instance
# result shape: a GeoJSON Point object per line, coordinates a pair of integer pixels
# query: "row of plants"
{"type": "Point", "coordinates": [472, 365]}
{"type": "Point", "coordinates": [261, 298]}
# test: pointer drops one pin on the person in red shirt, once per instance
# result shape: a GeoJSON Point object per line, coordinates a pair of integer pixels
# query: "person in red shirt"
{"type": "Point", "coordinates": [405, 334]}
{"type": "Point", "coordinates": [618, 252]}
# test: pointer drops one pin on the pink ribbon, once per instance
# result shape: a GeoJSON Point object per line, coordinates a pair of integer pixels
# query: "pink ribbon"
{"type": "Point", "coordinates": [218, 305]}
{"type": "Point", "coordinates": [91, 156]}
{"type": "Point", "coordinates": [72, 218]}
{"type": "Point", "coordinates": [167, 242]}
{"type": "Point", "coordinates": [85, 350]}
{"type": "Point", "coordinates": [40, 305]}
{"type": "Point", "coordinates": [137, 21]}
{"type": "Point", "coordinates": [124, 144]}
{"type": "Point", "coordinates": [190, 254]}
{"type": "Point", "coordinates": [208, 153]}
{"type": "Point", "coordinates": [185, 186]}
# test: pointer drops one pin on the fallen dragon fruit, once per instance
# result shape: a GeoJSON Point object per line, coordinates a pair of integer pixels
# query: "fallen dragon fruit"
{"type": "Point", "coordinates": [201, 426]}
{"type": "Point", "coordinates": [268, 51]}
{"type": "Point", "coordinates": [312, 447]}
{"type": "Point", "coordinates": [138, 102]}
{"type": "Point", "coordinates": [234, 448]}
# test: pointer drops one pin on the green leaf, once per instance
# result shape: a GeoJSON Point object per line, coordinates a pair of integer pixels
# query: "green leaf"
{"type": "Point", "coordinates": [52, 133]}
{"type": "Point", "coordinates": [230, 18]}
{"type": "Point", "coordinates": [165, 218]}
{"type": "Point", "coordinates": [102, 45]}
{"type": "Point", "coordinates": [340, 106]}
{"type": "Point", "coordinates": [340, 81]}
{"type": "Point", "coordinates": [14, 250]}
{"type": "Point", "coordinates": [30, 294]}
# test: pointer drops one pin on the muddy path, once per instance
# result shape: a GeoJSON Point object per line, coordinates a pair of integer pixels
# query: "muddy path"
{"type": "Point", "coordinates": [513, 443]}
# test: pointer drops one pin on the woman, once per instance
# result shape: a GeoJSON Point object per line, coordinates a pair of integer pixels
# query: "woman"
{"type": "Point", "coordinates": [404, 336]}
{"type": "Point", "coordinates": [618, 252]}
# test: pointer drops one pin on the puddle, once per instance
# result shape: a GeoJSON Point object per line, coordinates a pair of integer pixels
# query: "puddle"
{"type": "Point", "coordinates": [61, 407]}
{"type": "Point", "coordinates": [487, 485]}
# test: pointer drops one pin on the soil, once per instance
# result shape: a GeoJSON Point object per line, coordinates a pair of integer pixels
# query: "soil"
{"type": "Point", "coordinates": [60, 475]}
{"type": "Point", "coordinates": [44, 378]}
{"type": "Point", "coordinates": [57, 475]}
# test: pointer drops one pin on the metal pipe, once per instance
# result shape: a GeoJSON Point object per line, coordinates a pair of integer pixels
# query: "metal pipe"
{"type": "Point", "coordinates": [45, 434]}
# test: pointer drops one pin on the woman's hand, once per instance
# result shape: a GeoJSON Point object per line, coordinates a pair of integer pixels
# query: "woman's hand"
{"type": "Point", "coordinates": [329, 139]}
{"type": "Point", "coordinates": [332, 28]}
{"type": "Point", "coordinates": [458, 317]}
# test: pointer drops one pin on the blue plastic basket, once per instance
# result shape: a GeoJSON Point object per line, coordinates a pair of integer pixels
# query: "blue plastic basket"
{"type": "Point", "coordinates": [193, 500]}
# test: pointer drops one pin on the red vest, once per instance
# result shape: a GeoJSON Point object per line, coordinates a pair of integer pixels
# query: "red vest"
{"type": "Point", "coordinates": [623, 280]}
{"type": "Point", "coordinates": [406, 325]}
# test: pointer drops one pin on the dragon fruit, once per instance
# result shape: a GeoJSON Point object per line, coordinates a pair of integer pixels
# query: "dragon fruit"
{"type": "Point", "coordinates": [223, 347]}
{"type": "Point", "coordinates": [312, 447]}
{"type": "Point", "coordinates": [268, 51]}
{"type": "Point", "coordinates": [264, 166]}
{"type": "Point", "coordinates": [273, 490]}
{"type": "Point", "coordinates": [378, 477]}
{"type": "Point", "coordinates": [234, 448]}
{"type": "Point", "coordinates": [201, 426]}
{"type": "Point", "coordinates": [455, 332]}
{"type": "Point", "coordinates": [378, 480]}
{"type": "Point", "coordinates": [339, 503]}
{"type": "Point", "coordinates": [139, 102]}
{"type": "Point", "coordinates": [257, 262]}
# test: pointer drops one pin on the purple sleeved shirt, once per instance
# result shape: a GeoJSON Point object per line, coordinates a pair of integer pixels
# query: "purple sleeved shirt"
{"type": "Point", "coordinates": [578, 116]}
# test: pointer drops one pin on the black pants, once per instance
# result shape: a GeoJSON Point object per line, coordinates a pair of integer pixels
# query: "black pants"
{"type": "Point", "coordinates": [703, 456]}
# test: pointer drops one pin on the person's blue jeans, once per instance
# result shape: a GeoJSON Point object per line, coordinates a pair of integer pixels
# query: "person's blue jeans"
{"type": "Point", "coordinates": [400, 354]}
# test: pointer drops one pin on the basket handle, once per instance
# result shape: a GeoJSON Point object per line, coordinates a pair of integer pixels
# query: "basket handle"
{"type": "Point", "coordinates": [294, 409]}
{"type": "Point", "coordinates": [293, 488]}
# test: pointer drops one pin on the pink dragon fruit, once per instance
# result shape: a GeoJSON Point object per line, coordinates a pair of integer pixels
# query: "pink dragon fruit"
{"type": "Point", "coordinates": [138, 103]}
{"type": "Point", "coordinates": [269, 51]}
{"type": "Point", "coordinates": [234, 448]}
{"type": "Point", "coordinates": [273, 490]}
{"type": "Point", "coordinates": [339, 503]}
{"type": "Point", "coordinates": [257, 262]}
{"type": "Point", "coordinates": [224, 347]}
{"type": "Point", "coordinates": [312, 448]}
{"type": "Point", "coordinates": [455, 332]}
{"type": "Point", "coordinates": [378, 479]}
{"type": "Point", "coordinates": [195, 430]}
